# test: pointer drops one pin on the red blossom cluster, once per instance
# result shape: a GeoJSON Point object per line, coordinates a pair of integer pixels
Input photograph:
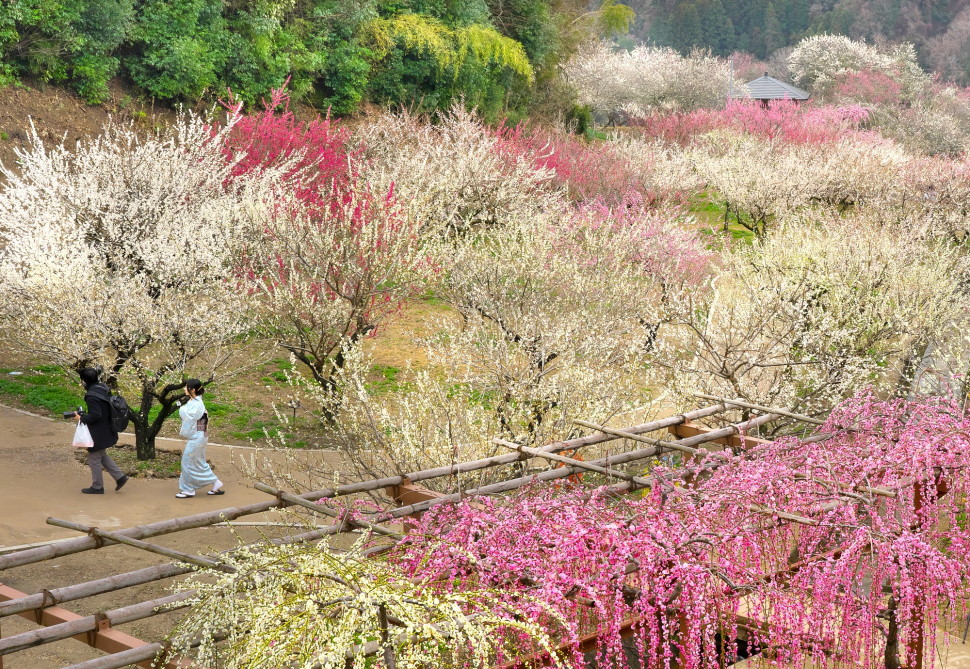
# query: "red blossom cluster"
{"type": "Point", "coordinates": [585, 171]}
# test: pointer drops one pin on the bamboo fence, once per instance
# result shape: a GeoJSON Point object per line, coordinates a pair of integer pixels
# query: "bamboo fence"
{"type": "Point", "coordinates": [410, 499]}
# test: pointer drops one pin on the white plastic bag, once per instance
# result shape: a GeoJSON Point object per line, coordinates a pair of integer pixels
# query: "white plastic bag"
{"type": "Point", "coordinates": [82, 437]}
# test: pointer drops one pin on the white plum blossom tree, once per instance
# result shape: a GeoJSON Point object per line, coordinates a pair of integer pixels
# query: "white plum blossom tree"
{"type": "Point", "coordinates": [552, 320]}
{"type": "Point", "coordinates": [646, 79]}
{"type": "Point", "coordinates": [450, 175]}
{"type": "Point", "coordinates": [817, 310]}
{"type": "Point", "coordinates": [818, 61]}
{"type": "Point", "coordinates": [121, 252]}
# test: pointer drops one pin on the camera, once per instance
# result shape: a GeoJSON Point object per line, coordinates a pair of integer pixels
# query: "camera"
{"type": "Point", "coordinates": [70, 414]}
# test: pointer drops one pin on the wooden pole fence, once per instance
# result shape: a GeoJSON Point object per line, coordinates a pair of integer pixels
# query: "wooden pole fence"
{"type": "Point", "coordinates": [758, 407]}
{"type": "Point", "coordinates": [133, 536]}
{"type": "Point", "coordinates": [80, 544]}
{"type": "Point", "coordinates": [65, 630]}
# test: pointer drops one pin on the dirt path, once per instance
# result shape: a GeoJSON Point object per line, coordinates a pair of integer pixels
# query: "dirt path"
{"type": "Point", "coordinates": [39, 477]}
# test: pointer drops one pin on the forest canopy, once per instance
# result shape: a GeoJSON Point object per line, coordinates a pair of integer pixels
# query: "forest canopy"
{"type": "Point", "coordinates": [335, 53]}
{"type": "Point", "coordinates": [940, 30]}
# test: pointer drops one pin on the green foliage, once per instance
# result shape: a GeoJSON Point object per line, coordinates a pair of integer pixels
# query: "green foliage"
{"type": "Point", "coordinates": [44, 387]}
{"type": "Point", "coordinates": [60, 41]}
{"type": "Point", "coordinates": [449, 49]}
{"type": "Point", "coordinates": [180, 47]}
{"type": "Point", "coordinates": [614, 18]}
{"type": "Point", "coordinates": [419, 59]}
{"type": "Point", "coordinates": [425, 54]}
{"type": "Point", "coordinates": [761, 27]}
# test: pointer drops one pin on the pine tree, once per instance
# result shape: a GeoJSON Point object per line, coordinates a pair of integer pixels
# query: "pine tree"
{"type": "Point", "coordinates": [716, 28]}
{"type": "Point", "coordinates": [797, 20]}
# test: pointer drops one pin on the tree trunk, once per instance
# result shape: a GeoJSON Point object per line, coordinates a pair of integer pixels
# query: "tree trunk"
{"type": "Point", "coordinates": [891, 657]}
{"type": "Point", "coordinates": [146, 429]}
{"type": "Point", "coordinates": [144, 440]}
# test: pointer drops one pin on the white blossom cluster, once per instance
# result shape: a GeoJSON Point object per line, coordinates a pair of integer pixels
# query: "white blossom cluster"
{"type": "Point", "coordinates": [818, 62]}
{"type": "Point", "coordinates": [448, 174]}
{"type": "Point", "coordinates": [817, 310]}
{"type": "Point", "coordinates": [121, 252]}
{"type": "Point", "coordinates": [647, 79]}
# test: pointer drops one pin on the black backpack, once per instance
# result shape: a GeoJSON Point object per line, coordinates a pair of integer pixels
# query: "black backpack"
{"type": "Point", "coordinates": [120, 413]}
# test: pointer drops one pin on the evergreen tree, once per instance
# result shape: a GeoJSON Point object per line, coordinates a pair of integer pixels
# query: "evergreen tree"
{"type": "Point", "coordinates": [774, 33]}
{"type": "Point", "coordinates": [716, 28]}
{"type": "Point", "coordinates": [797, 19]}
{"type": "Point", "coordinates": [685, 28]}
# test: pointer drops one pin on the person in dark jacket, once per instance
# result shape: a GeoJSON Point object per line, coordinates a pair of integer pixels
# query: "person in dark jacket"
{"type": "Point", "coordinates": [98, 420]}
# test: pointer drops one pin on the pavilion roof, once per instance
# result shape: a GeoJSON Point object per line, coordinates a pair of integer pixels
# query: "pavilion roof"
{"type": "Point", "coordinates": [769, 88]}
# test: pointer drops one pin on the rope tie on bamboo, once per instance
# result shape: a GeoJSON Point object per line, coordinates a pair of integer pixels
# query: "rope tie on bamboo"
{"type": "Point", "coordinates": [48, 599]}
{"type": "Point", "coordinates": [98, 539]}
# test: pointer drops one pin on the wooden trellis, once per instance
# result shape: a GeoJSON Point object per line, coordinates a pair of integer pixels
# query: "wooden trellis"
{"type": "Point", "coordinates": [410, 497]}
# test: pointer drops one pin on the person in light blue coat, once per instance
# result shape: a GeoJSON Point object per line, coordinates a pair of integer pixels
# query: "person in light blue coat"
{"type": "Point", "coordinates": [196, 472]}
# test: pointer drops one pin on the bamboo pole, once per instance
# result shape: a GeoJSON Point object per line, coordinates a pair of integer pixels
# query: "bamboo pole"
{"type": "Point", "coordinates": [553, 457]}
{"type": "Point", "coordinates": [100, 586]}
{"type": "Point", "coordinates": [143, 545]}
{"type": "Point", "coordinates": [641, 482]}
{"type": "Point", "coordinates": [320, 508]}
{"type": "Point", "coordinates": [126, 614]}
{"type": "Point", "coordinates": [758, 407]}
{"type": "Point", "coordinates": [79, 544]}
{"type": "Point", "coordinates": [122, 659]}
{"type": "Point", "coordinates": [127, 657]}
{"type": "Point", "coordinates": [681, 445]}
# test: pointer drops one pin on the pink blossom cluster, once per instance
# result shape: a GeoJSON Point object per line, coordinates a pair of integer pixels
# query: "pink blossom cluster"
{"type": "Point", "coordinates": [319, 151]}
{"type": "Point", "coordinates": [710, 548]}
{"type": "Point", "coordinates": [666, 250]}
{"type": "Point", "coordinates": [782, 120]}
{"type": "Point", "coordinates": [585, 171]}
{"type": "Point", "coordinates": [344, 239]}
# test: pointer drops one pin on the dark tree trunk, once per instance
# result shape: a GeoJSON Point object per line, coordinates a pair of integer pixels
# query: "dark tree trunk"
{"type": "Point", "coordinates": [146, 427]}
{"type": "Point", "coordinates": [891, 658]}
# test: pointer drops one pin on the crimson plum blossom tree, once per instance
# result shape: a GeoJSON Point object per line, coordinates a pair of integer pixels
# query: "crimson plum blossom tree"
{"type": "Point", "coordinates": [337, 256]}
{"type": "Point", "coordinates": [121, 252]}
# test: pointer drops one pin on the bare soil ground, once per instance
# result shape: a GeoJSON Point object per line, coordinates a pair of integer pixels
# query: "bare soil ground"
{"type": "Point", "coordinates": [59, 115]}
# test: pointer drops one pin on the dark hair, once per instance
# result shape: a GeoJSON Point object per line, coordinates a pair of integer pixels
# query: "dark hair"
{"type": "Point", "coordinates": [89, 376]}
{"type": "Point", "coordinates": [196, 385]}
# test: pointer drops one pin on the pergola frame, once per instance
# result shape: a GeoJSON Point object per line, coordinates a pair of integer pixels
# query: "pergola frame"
{"type": "Point", "coordinates": [411, 499]}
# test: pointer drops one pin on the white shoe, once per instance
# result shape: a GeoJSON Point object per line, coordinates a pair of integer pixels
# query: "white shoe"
{"type": "Point", "coordinates": [184, 495]}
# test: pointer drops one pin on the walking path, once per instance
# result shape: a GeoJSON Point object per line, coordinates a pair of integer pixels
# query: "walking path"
{"type": "Point", "coordinates": [39, 477]}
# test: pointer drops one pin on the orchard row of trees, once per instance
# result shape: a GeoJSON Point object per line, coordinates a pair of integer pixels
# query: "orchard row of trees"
{"type": "Point", "coordinates": [575, 278]}
{"type": "Point", "coordinates": [335, 53]}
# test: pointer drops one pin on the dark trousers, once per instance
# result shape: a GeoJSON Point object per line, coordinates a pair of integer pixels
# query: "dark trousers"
{"type": "Point", "coordinates": [98, 460]}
